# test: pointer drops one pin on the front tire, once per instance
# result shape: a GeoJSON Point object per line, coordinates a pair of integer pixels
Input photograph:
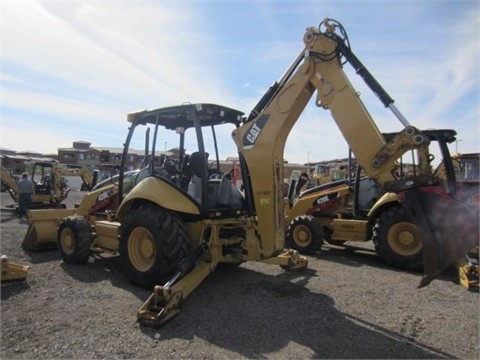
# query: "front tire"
{"type": "Point", "coordinates": [74, 238]}
{"type": "Point", "coordinates": [304, 234]}
{"type": "Point", "coordinates": [397, 239]}
{"type": "Point", "coordinates": [152, 244]}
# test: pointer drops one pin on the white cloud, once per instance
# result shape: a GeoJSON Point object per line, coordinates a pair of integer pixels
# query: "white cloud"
{"type": "Point", "coordinates": [96, 61]}
{"type": "Point", "coordinates": [118, 50]}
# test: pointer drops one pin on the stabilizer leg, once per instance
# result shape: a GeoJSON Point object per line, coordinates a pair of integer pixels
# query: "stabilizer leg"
{"type": "Point", "coordinates": [12, 272]}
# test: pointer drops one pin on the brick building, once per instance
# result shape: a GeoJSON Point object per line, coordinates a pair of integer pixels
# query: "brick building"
{"type": "Point", "coordinates": [107, 159]}
{"type": "Point", "coordinates": [14, 161]}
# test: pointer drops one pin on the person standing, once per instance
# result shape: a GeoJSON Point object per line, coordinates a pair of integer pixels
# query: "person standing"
{"type": "Point", "coordinates": [26, 190]}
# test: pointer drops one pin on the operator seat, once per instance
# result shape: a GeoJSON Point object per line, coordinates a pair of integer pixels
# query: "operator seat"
{"type": "Point", "coordinates": [193, 171]}
{"type": "Point", "coordinates": [229, 196]}
{"type": "Point", "coordinates": [368, 193]}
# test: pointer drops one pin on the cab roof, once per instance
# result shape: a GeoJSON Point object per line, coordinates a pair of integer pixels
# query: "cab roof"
{"type": "Point", "coordinates": [182, 116]}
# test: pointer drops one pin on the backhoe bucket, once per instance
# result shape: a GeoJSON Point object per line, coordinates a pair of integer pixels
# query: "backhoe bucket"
{"type": "Point", "coordinates": [449, 228]}
{"type": "Point", "coordinates": [42, 228]}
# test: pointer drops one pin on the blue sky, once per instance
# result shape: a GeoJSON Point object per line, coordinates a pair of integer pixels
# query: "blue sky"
{"type": "Point", "coordinates": [72, 70]}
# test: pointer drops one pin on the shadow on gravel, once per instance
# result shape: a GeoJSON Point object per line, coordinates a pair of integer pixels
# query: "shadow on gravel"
{"type": "Point", "coordinates": [254, 315]}
{"type": "Point", "coordinates": [104, 268]}
{"type": "Point", "coordinates": [42, 256]}
{"type": "Point", "coordinates": [357, 256]}
{"type": "Point", "coordinates": [13, 289]}
{"type": "Point", "coordinates": [351, 255]}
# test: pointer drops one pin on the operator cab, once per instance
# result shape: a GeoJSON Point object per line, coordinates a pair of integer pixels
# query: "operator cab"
{"type": "Point", "coordinates": [195, 161]}
{"type": "Point", "coordinates": [43, 178]}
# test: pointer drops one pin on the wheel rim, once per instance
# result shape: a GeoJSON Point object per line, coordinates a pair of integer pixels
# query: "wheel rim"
{"type": "Point", "coordinates": [67, 241]}
{"type": "Point", "coordinates": [404, 239]}
{"type": "Point", "coordinates": [302, 235]}
{"type": "Point", "coordinates": [141, 249]}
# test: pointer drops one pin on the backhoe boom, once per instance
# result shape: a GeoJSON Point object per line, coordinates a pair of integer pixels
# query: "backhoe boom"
{"type": "Point", "coordinates": [262, 140]}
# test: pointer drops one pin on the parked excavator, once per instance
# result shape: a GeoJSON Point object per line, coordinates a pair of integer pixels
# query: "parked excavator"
{"type": "Point", "coordinates": [51, 189]}
{"type": "Point", "coordinates": [180, 221]}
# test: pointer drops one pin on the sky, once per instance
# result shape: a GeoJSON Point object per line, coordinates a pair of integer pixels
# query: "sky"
{"type": "Point", "coordinates": [72, 70]}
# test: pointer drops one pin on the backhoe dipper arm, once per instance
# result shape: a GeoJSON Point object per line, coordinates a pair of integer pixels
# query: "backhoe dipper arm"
{"type": "Point", "coordinates": [261, 140]}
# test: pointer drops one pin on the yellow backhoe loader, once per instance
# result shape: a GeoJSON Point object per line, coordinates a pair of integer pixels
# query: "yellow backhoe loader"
{"type": "Point", "coordinates": [182, 219]}
{"type": "Point", "coordinates": [51, 188]}
{"type": "Point", "coordinates": [323, 174]}
{"type": "Point", "coordinates": [359, 210]}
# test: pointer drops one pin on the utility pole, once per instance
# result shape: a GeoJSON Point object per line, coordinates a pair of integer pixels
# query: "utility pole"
{"type": "Point", "coordinates": [308, 163]}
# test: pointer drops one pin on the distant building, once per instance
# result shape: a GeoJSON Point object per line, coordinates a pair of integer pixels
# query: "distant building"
{"type": "Point", "coordinates": [14, 161]}
{"type": "Point", "coordinates": [108, 159]}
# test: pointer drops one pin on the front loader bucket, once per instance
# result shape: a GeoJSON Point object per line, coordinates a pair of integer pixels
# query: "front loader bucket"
{"type": "Point", "coordinates": [449, 228]}
{"type": "Point", "coordinates": [42, 228]}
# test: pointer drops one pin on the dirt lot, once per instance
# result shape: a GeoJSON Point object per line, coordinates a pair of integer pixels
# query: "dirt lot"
{"type": "Point", "coordinates": [348, 304]}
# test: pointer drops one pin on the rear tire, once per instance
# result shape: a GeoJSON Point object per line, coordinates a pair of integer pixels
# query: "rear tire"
{"type": "Point", "coordinates": [397, 240]}
{"type": "Point", "coordinates": [304, 234]}
{"type": "Point", "coordinates": [152, 244]}
{"type": "Point", "coordinates": [74, 238]}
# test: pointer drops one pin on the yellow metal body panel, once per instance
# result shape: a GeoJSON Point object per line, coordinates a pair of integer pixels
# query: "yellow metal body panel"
{"type": "Point", "coordinates": [106, 234]}
{"type": "Point", "coordinates": [43, 224]}
{"type": "Point", "coordinates": [468, 273]}
{"type": "Point", "coordinates": [42, 228]}
{"type": "Point", "coordinates": [319, 200]}
{"type": "Point", "coordinates": [349, 230]}
{"type": "Point", "coordinates": [386, 198]}
{"type": "Point", "coordinates": [195, 232]}
{"type": "Point", "coordinates": [161, 193]}
{"type": "Point", "coordinates": [91, 199]}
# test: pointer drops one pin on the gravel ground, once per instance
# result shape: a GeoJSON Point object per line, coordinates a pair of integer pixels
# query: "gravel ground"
{"type": "Point", "coordinates": [347, 304]}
